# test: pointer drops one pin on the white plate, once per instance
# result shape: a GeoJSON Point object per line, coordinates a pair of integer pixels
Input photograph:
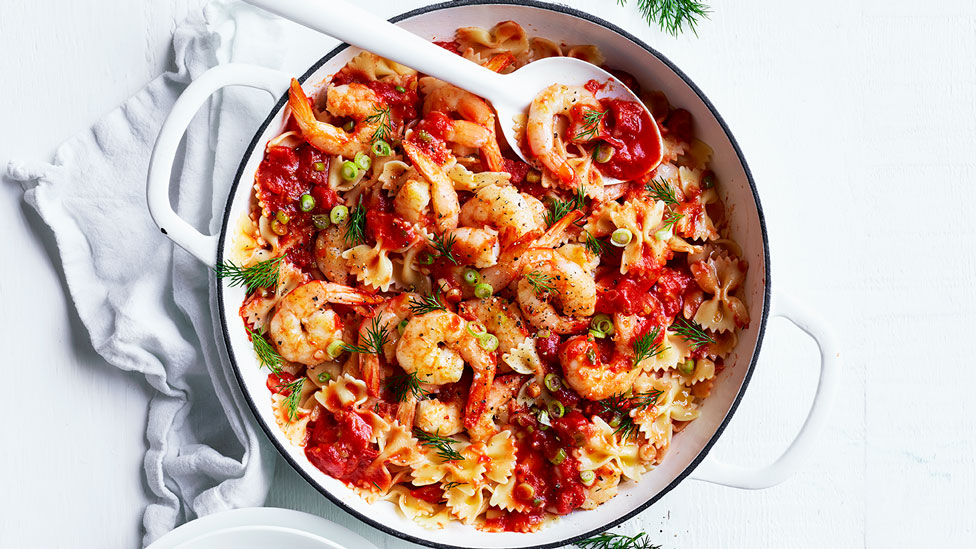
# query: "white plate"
{"type": "Point", "coordinates": [260, 528]}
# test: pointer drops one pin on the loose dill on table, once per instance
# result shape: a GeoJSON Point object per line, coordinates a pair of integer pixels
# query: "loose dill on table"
{"type": "Point", "coordinates": [672, 16]}
{"type": "Point", "coordinates": [644, 347]}
{"type": "Point", "coordinates": [406, 385]}
{"type": "Point", "coordinates": [372, 341]}
{"type": "Point", "coordinates": [692, 332]}
{"type": "Point", "coordinates": [427, 303]}
{"type": "Point", "coordinates": [591, 124]}
{"type": "Point", "coordinates": [607, 540]}
{"type": "Point", "coordinates": [263, 274]}
{"type": "Point", "coordinates": [443, 445]}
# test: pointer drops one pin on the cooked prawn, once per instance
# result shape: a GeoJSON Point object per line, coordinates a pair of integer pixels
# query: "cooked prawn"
{"type": "Point", "coordinates": [469, 106]}
{"type": "Point", "coordinates": [567, 284]}
{"type": "Point", "coordinates": [435, 346]}
{"type": "Point", "coordinates": [501, 318]}
{"type": "Point", "coordinates": [443, 196]}
{"type": "Point", "coordinates": [540, 129]}
{"type": "Point", "coordinates": [476, 247]}
{"type": "Point", "coordinates": [502, 207]}
{"type": "Point", "coordinates": [356, 101]}
{"type": "Point", "coordinates": [511, 259]}
{"type": "Point", "coordinates": [588, 371]}
{"type": "Point", "coordinates": [304, 325]}
{"type": "Point", "coordinates": [329, 245]}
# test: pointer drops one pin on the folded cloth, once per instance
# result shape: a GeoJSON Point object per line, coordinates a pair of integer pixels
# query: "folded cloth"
{"type": "Point", "coordinates": [146, 304]}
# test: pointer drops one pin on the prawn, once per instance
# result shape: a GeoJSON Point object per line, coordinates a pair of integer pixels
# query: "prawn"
{"type": "Point", "coordinates": [511, 259]}
{"type": "Point", "coordinates": [502, 207]}
{"type": "Point", "coordinates": [501, 318]}
{"type": "Point", "coordinates": [390, 315]}
{"type": "Point", "coordinates": [329, 245]}
{"type": "Point", "coordinates": [435, 347]}
{"type": "Point", "coordinates": [548, 276]}
{"type": "Point", "coordinates": [590, 372]}
{"type": "Point", "coordinates": [443, 197]}
{"type": "Point", "coordinates": [470, 107]}
{"type": "Point", "coordinates": [476, 247]}
{"type": "Point", "coordinates": [304, 325]}
{"type": "Point", "coordinates": [540, 129]}
{"type": "Point", "coordinates": [356, 101]}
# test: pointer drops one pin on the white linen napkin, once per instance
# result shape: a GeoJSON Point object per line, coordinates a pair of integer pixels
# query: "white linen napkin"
{"type": "Point", "coordinates": [147, 304]}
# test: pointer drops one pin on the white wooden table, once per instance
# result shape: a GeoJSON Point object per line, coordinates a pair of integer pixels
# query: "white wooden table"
{"type": "Point", "coordinates": [857, 120]}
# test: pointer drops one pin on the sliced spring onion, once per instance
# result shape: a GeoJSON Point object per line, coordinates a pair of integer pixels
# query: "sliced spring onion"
{"type": "Point", "coordinates": [339, 214]}
{"type": "Point", "coordinates": [664, 234]}
{"type": "Point", "coordinates": [477, 329]}
{"type": "Point", "coordinates": [349, 170]}
{"type": "Point", "coordinates": [533, 176]}
{"type": "Point", "coordinates": [400, 89]}
{"type": "Point", "coordinates": [603, 153]}
{"type": "Point", "coordinates": [472, 277]}
{"type": "Point", "coordinates": [587, 477]}
{"type": "Point", "coordinates": [334, 349]}
{"type": "Point", "coordinates": [324, 377]}
{"type": "Point", "coordinates": [597, 333]}
{"type": "Point", "coordinates": [319, 166]}
{"type": "Point", "coordinates": [279, 228]}
{"type": "Point", "coordinates": [591, 355]}
{"type": "Point", "coordinates": [483, 290]}
{"type": "Point", "coordinates": [556, 409]}
{"type": "Point", "coordinates": [308, 202]}
{"type": "Point", "coordinates": [537, 502]}
{"type": "Point", "coordinates": [525, 491]}
{"type": "Point", "coordinates": [348, 126]}
{"type": "Point", "coordinates": [282, 217]}
{"type": "Point", "coordinates": [543, 417]}
{"type": "Point", "coordinates": [489, 342]}
{"type": "Point", "coordinates": [543, 334]}
{"type": "Point", "coordinates": [553, 383]}
{"type": "Point", "coordinates": [602, 323]}
{"type": "Point", "coordinates": [362, 161]}
{"type": "Point", "coordinates": [424, 136]}
{"type": "Point", "coordinates": [687, 367]}
{"type": "Point", "coordinates": [559, 457]}
{"type": "Point", "coordinates": [381, 148]}
{"type": "Point", "coordinates": [621, 237]}
{"type": "Point", "coordinates": [427, 259]}
{"type": "Point", "coordinates": [402, 326]}
{"type": "Point", "coordinates": [321, 221]}
{"type": "Point", "coordinates": [615, 421]}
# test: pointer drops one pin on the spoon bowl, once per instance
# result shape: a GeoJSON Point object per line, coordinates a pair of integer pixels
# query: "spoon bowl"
{"type": "Point", "coordinates": [509, 94]}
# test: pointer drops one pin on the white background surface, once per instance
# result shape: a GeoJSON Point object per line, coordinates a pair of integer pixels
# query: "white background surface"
{"type": "Point", "coordinates": [857, 120]}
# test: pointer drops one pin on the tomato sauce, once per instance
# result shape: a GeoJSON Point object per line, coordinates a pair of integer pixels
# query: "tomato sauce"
{"type": "Point", "coordinates": [670, 289]}
{"type": "Point", "coordinates": [431, 494]}
{"type": "Point", "coordinates": [277, 383]}
{"type": "Point", "coordinates": [428, 135]}
{"type": "Point", "coordinates": [628, 294]}
{"type": "Point", "coordinates": [638, 148]}
{"type": "Point", "coordinates": [395, 232]}
{"type": "Point", "coordinates": [517, 169]}
{"type": "Point", "coordinates": [339, 446]}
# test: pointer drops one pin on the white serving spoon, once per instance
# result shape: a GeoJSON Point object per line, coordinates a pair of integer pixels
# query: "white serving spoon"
{"type": "Point", "coordinates": [509, 94]}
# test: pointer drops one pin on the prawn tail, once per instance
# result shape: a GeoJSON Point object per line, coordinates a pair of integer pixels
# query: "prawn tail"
{"type": "Point", "coordinates": [337, 293]}
{"type": "Point", "coordinates": [553, 235]}
{"type": "Point", "coordinates": [300, 106]}
{"type": "Point", "coordinates": [369, 366]}
{"type": "Point", "coordinates": [478, 395]}
{"type": "Point", "coordinates": [406, 410]}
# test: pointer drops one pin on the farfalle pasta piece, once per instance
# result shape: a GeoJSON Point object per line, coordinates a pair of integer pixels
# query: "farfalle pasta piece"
{"type": "Point", "coordinates": [374, 67]}
{"type": "Point", "coordinates": [721, 277]}
{"type": "Point", "coordinates": [507, 36]}
{"type": "Point", "coordinates": [412, 507]}
{"type": "Point", "coordinates": [644, 251]}
{"type": "Point", "coordinates": [248, 246]}
{"type": "Point", "coordinates": [605, 447]}
{"type": "Point", "coordinates": [524, 358]}
{"type": "Point", "coordinates": [704, 370]}
{"type": "Point", "coordinates": [466, 502]}
{"type": "Point", "coordinates": [502, 496]}
{"type": "Point", "coordinates": [683, 406]}
{"type": "Point", "coordinates": [294, 428]}
{"type": "Point", "coordinates": [258, 306]}
{"type": "Point", "coordinates": [398, 447]}
{"type": "Point", "coordinates": [674, 349]}
{"type": "Point", "coordinates": [371, 265]}
{"type": "Point", "coordinates": [604, 486]}
{"type": "Point", "coordinates": [343, 393]}
{"type": "Point", "coordinates": [588, 53]}
{"type": "Point", "coordinates": [500, 450]}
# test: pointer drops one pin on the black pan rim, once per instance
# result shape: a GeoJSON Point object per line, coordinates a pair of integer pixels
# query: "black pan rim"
{"type": "Point", "coordinates": [255, 409]}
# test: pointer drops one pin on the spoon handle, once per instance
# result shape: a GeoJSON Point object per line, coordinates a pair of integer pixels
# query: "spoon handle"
{"type": "Point", "coordinates": [354, 25]}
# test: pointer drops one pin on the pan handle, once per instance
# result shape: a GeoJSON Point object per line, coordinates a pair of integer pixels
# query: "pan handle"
{"type": "Point", "coordinates": [203, 247]}
{"type": "Point", "coordinates": [717, 472]}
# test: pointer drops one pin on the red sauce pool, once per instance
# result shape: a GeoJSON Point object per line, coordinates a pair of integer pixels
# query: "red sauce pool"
{"type": "Point", "coordinates": [627, 294]}
{"type": "Point", "coordinates": [339, 446]}
{"type": "Point", "coordinates": [670, 289]}
{"type": "Point", "coordinates": [428, 135]}
{"type": "Point", "coordinates": [395, 232]}
{"type": "Point", "coordinates": [638, 149]}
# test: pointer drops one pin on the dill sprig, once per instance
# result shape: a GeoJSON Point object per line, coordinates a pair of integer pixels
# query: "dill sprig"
{"type": "Point", "coordinates": [291, 402]}
{"type": "Point", "coordinates": [621, 406]}
{"type": "Point", "coordinates": [267, 355]}
{"type": "Point", "coordinates": [541, 282]}
{"type": "Point", "coordinates": [443, 245]}
{"type": "Point", "coordinates": [356, 226]}
{"type": "Point", "coordinates": [385, 128]}
{"type": "Point", "coordinates": [427, 303]}
{"type": "Point", "coordinates": [593, 244]}
{"type": "Point", "coordinates": [670, 219]}
{"type": "Point", "coordinates": [645, 347]}
{"type": "Point", "coordinates": [559, 208]}
{"type": "Point", "coordinates": [673, 16]}
{"type": "Point", "coordinates": [443, 445]}
{"type": "Point", "coordinates": [448, 485]}
{"type": "Point", "coordinates": [607, 540]}
{"type": "Point", "coordinates": [692, 332]}
{"type": "Point", "coordinates": [373, 340]}
{"type": "Point", "coordinates": [659, 189]}
{"type": "Point", "coordinates": [263, 274]}
{"type": "Point", "coordinates": [405, 385]}
{"type": "Point", "coordinates": [591, 124]}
